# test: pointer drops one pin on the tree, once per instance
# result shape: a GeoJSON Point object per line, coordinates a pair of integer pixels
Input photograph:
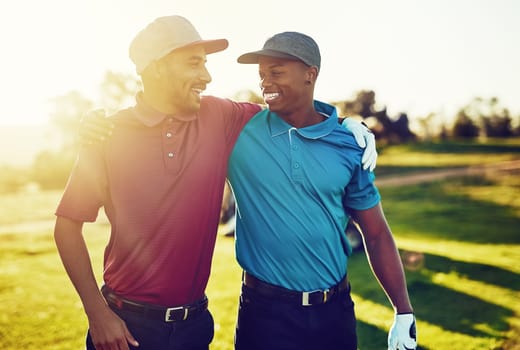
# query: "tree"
{"type": "Point", "coordinates": [66, 116]}
{"type": "Point", "coordinates": [432, 126]}
{"type": "Point", "coordinates": [464, 126]}
{"type": "Point", "coordinates": [494, 120]}
{"type": "Point", "coordinates": [386, 129]}
{"type": "Point", "coordinates": [13, 179]}
{"type": "Point", "coordinates": [497, 126]}
{"type": "Point", "coordinates": [50, 168]}
{"type": "Point", "coordinates": [118, 90]}
{"type": "Point", "coordinates": [401, 128]}
{"type": "Point", "coordinates": [362, 105]}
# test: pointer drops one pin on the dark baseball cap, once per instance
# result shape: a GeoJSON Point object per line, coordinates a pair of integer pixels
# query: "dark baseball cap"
{"type": "Point", "coordinates": [290, 45]}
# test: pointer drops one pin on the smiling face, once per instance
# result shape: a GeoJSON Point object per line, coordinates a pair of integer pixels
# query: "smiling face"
{"type": "Point", "coordinates": [181, 77]}
{"type": "Point", "coordinates": [287, 85]}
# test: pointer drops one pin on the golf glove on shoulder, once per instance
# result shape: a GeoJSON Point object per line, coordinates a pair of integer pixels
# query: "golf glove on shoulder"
{"type": "Point", "coordinates": [365, 139]}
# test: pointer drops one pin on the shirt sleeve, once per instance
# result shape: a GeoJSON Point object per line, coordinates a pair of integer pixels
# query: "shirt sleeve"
{"type": "Point", "coordinates": [237, 114]}
{"type": "Point", "coordinates": [86, 189]}
{"type": "Point", "coordinates": [361, 192]}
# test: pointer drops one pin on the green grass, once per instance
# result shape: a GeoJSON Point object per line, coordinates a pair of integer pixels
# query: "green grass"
{"type": "Point", "coordinates": [408, 158]}
{"type": "Point", "coordinates": [466, 294]}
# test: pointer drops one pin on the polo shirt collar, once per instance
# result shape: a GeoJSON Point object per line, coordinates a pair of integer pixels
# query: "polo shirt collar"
{"type": "Point", "coordinates": [278, 126]}
{"type": "Point", "coordinates": [151, 117]}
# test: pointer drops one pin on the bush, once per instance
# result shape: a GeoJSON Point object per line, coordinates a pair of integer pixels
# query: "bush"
{"type": "Point", "coordinates": [51, 169]}
{"type": "Point", "coordinates": [13, 179]}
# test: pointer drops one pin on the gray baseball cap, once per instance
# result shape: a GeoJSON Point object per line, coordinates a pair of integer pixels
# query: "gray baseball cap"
{"type": "Point", "coordinates": [290, 45]}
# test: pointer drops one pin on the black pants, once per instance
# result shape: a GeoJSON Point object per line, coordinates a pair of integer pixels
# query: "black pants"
{"type": "Point", "coordinates": [192, 334]}
{"type": "Point", "coordinates": [265, 323]}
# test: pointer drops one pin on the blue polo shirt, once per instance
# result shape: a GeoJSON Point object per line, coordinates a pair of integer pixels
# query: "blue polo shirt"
{"type": "Point", "coordinates": [292, 187]}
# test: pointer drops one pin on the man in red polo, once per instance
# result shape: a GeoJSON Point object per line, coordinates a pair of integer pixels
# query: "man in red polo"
{"type": "Point", "coordinates": [160, 180]}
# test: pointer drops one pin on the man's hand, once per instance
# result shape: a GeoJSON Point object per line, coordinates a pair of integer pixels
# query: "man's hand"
{"type": "Point", "coordinates": [95, 127]}
{"type": "Point", "coordinates": [109, 332]}
{"type": "Point", "coordinates": [365, 139]}
{"type": "Point", "coordinates": [403, 334]}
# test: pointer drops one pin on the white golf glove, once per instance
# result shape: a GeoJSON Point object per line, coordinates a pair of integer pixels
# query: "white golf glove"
{"type": "Point", "coordinates": [403, 334]}
{"type": "Point", "coordinates": [365, 139]}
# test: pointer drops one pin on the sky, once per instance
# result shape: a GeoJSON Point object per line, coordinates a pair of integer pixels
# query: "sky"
{"type": "Point", "coordinates": [419, 56]}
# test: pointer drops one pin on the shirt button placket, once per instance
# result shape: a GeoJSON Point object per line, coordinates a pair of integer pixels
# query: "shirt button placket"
{"type": "Point", "coordinates": [296, 161]}
{"type": "Point", "coordinates": [169, 141]}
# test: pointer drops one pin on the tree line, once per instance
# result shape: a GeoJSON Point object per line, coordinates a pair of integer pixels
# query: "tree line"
{"type": "Point", "coordinates": [50, 169]}
{"type": "Point", "coordinates": [479, 118]}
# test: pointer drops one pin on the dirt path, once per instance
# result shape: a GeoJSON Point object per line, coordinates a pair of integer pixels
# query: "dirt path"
{"type": "Point", "coordinates": [399, 180]}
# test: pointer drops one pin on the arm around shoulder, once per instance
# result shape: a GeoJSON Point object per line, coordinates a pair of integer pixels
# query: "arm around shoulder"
{"type": "Point", "coordinates": [365, 139]}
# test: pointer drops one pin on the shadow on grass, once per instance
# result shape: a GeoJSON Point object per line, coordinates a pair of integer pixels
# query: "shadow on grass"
{"type": "Point", "coordinates": [371, 337]}
{"type": "Point", "coordinates": [474, 271]}
{"type": "Point", "coordinates": [439, 211]}
{"type": "Point", "coordinates": [448, 309]}
{"type": "Point", "coordinates": [458, 312]}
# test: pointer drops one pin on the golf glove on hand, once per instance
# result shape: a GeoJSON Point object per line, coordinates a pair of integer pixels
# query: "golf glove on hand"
{"type": "Point", "coordinates": [402, 335]}
{"type": "Point", "coordinates": [365, 139]}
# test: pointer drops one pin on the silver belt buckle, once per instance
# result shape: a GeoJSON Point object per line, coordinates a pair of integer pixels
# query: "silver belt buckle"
{"type": "Point", "coordinates": [305, 296]}
{"type": "Point", "coordinates": [169, 311]}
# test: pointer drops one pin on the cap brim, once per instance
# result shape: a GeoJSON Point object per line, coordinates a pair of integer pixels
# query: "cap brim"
{"type": "Point", "coordinates": [252, 57]}
{"type": "Point", "coordinates": [210, 46]}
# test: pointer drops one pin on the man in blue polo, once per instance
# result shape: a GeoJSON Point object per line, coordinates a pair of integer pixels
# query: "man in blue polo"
{"type": "Point", "coordinates": [297, 177]}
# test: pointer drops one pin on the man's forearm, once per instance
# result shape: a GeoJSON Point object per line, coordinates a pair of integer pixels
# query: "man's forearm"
{"type": "Point", "coordinates": [76, 260]}
{"type": "Point", "coordinates": [386, 264]}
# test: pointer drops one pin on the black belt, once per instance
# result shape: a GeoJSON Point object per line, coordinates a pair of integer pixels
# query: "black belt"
{"type": "Point", "coordinates": [302, 298]}
{"type": "Point", "coordinates": [166, 314]}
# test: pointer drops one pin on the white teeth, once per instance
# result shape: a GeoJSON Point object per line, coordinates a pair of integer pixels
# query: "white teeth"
{"type": "Point", "coordinates": [199, 91]}
{"type": "Point", "coordinates": [270, 96]}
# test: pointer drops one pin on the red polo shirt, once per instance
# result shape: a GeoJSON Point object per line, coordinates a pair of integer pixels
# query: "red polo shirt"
{"type": "Point", "coordinates": [160, 180]}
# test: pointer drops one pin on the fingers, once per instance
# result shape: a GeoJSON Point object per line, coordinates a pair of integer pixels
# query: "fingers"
{"type": "Point", "coordinates": [357, 129]}
{"type": "Point", "coordinates": [360, 133]}
{"type": "Point", "coordinates": [130, 338]}
{"type": "Point", "coordinates": [370, 163]}
{"type": "Point", "coordinates": [95, 127]}
{"type": "Point", "coordinates": [365, 139]}
{"type": "Point", "coordinates": [99, 113]}
{"type": "Point", "coordinates": [109, 332]}
{"type": "Point", "coordinates": [99, 131]}
{"type": "Point", "coordinates": [121, 344]}
{"type": "Point", "coordinates": [95, 114]}
{"type": "Point", "coordinates": [360, 140]}
{"type": "Point", "coordinates": [369, 158]}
